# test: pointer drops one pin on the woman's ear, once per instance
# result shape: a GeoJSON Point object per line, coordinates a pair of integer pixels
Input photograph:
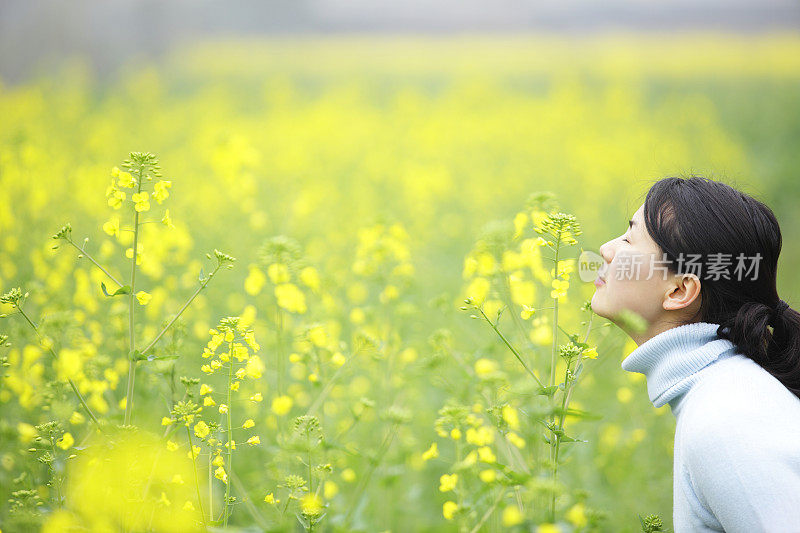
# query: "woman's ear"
{"type": "Point", "coordinates": [682, 292]}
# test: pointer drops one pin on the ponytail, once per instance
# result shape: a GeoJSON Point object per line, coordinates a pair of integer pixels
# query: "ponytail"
{"type": "Point", "coordinates": [770, 336]}
{"type": "Point", "coordinates": [697, 215]}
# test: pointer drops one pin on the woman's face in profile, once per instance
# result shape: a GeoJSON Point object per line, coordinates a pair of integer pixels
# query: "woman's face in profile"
{"type": "Point", "coordinates": [632, 277]}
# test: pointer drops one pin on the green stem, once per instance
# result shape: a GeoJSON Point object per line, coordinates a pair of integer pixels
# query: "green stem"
{"type": "Point", "coordinates": [513, 350]}
{"type": "Point", "coordinates": [88, 256]}
{"type": "Point", "coordinates": [281, 361]}
{"type": "Point", "coordinates": [310, 473]}
{"type": "Point", "coordinates": [489, 511]}
{"type": "Point", "coordinates": [364, 481]}
{"type": "Point", "coordinates": [196, 480]}
{"type": "Point", "coordinates": [180, 312]}
{"type": "Point", "coordinates": [254, 512]}
{"type": "Point", "coordinates": [554, 437]}
{"type": "Point", "coordinates": [131, 309]}
{"type": "Point", "coordinates": [516, 318]}
{"type": "Point", "coordinates": [230, 434]}
{"type": "Point", "coordinates": [555, 330]}
{"type": "Point", "coordinates": [71, 383]}
{"type": "Point", "coordinates": [53, 472]}
{"type": "Point", "coordinates": [565, 404]}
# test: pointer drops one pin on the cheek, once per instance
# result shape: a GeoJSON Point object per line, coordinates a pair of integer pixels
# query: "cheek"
{"type": "Point", "coordinates": [632, 283]}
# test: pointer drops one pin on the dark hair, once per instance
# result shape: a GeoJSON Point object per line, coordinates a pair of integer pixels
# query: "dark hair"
{"type": "Point", "coordinates": [697, 215]}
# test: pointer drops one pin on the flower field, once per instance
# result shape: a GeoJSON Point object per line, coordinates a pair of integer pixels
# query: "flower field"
{"type": "Point", "coordinates": [331, 284]}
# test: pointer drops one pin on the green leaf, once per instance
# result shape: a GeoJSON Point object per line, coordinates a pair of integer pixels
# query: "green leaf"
{"type": "Point", "coordinates": [165, 357]}
{"type": "Point", "coordinates": [586, 415]}
{"type": "Point", "coordinates": [548, 391]}
{"type": "Point", "coordinates": [139, 356]}
{"type": "Point", "coordinates": [514, 477]}
{"type": "Point", "coordinates": [565, 438]}
{"type": "Point", "coordinates": [125, 289]}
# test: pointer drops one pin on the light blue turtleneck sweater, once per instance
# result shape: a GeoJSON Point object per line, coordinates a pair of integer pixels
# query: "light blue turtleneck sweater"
{"type": "Point", "coordinates": [737, 439]}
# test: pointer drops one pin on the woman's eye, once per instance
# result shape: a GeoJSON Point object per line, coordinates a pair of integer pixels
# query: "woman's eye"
{"type": "Point", "coordinates": [626, 240]}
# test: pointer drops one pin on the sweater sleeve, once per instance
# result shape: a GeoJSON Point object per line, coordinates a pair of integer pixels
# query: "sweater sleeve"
{"type": "Point", "coordinates": [745, 468]}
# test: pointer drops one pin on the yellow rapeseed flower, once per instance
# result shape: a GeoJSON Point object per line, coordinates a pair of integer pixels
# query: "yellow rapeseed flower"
{"type": "Point", "coordinates": [431, 452]}
{"type": "Point", "coordinates": [167, 220]}
{"type": "Point", "coordinates": [515, 439]}
{"type": "Point", "coordinates": [485, 367]}
{"type": "Point", "coordinates": [116, 198]}
{"type": "Point", "coordinates": [26, 431]}
{"type": "Point", "coordinates": [348, 475]}
{"type": "Point", "coordinates": [447, 482]}
{"type": "Point", "coordinates": [290, 298]}
{"type": "Point", "coordinates": [111, 227]}
{"type": "Point", "coordinates": [512, 516]}
{"type": "Point", "coordinates": [310, 277]}
{"type": "Point", "coordinates": [480, 436]}
{"type": "Point", "coordinates": [254, 281]}
{"type": "Point", "coordinates": [201, 429]}
{"type": "Point", "coordinates": [141, 201]}
{"type": "Point", "coordinates": [330, 489]}
{"type": "Point", "coordinates": [160, 192]}
{"type": "Point", "coordinates": [143, 297]}
{"type": "Point", "coordinates": [449, 510]}
{"type": "Point", "coordinates": [254, 367]}
{"type": "Point", "coordinates": [486, 455]}
{"type": "Point", "coordinates": [511, 416]}
{"type": "Point", "coordinates": [590, 353]}
{"type": "Point", "coordinates": [311, 504]}
{"type": "Point", "coordinates": [125, 179]}
{"type": "Point", "coordinates": [278, 273]}
{"type": "Point", "coordinates": [193, 452]}
{"type": "Point", "coordinates": [66, 441]}
{"type": "Point", "coordinates": [281, 405]}
{"type": "Point", "coordinates": [488, 475]}
{"type": "Point", "coordinates": [220, 474]}
{"type": "Point", "coordinates": [576, 515]}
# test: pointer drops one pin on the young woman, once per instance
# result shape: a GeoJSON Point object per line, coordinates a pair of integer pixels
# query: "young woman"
{"type": "Point", "coordinates": [698, 263]}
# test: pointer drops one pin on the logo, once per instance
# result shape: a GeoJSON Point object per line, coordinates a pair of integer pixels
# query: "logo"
{"type": "Point", "coordinates": [589, 264]}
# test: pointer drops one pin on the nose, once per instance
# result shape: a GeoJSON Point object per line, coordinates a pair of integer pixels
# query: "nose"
{"type": "Point", "coordinates": [606, 251]}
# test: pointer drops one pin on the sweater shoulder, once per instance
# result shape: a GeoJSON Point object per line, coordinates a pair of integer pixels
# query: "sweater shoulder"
{"type": "Point", "coordinates": [737, 401]}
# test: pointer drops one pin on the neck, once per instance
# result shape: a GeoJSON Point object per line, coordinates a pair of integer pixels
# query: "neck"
{"type": "Point", "coordinates": [671, 359]}
{"type": "Point", "coordinates": [654, 328]}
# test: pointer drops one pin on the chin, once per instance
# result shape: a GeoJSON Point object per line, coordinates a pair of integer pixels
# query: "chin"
{"type": "Point", "coordinates": [597, 306]}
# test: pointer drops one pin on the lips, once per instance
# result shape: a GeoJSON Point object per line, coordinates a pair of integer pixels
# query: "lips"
{"type": "Point", "coordinates": [601, 274]}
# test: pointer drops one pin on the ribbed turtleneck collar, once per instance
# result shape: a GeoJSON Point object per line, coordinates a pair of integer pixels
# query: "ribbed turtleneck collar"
{"type": "Point", "coordinates": [671, 359]}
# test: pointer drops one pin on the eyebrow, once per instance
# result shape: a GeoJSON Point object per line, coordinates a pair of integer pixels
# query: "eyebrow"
{"type": "Point", "coordinates": [631, 223]}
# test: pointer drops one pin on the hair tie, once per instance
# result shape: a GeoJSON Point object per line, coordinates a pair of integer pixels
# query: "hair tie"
{"type": "Point", "coordinates": [779, 309]}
